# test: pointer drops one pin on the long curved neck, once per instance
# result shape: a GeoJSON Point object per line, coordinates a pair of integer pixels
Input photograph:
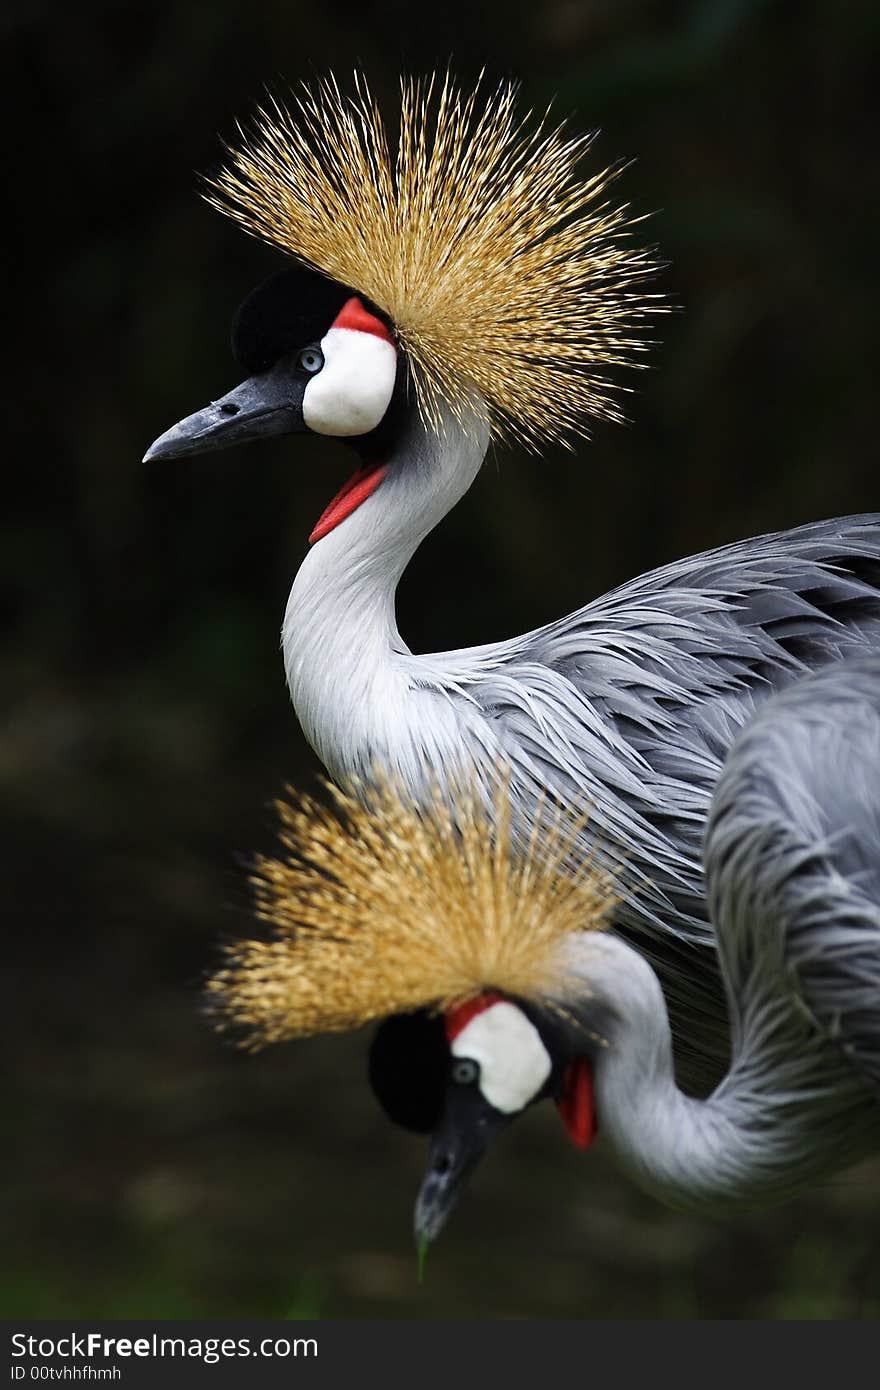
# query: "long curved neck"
{"type": "Point", "coordinates": [348, 669]}
{"type": "Point", "coordinates": [756, 1138]}
{"type": "Point", "coordinates": [677, 1147]}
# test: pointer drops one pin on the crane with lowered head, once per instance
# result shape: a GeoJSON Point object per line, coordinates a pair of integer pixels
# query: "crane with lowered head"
{"type": "Point", "coordinates": [471, 284]}
{"type": "Point", "coordinates": [501, 980]}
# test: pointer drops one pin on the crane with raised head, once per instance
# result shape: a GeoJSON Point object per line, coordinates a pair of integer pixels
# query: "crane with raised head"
{"type": "Point", "coordinates": [472, 284]}
{"type": "Point", "coordinates": [502, 981]}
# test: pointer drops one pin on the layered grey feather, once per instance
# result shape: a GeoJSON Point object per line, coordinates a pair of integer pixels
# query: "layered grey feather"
{"type": "Point", "coordinates": [630, 705]}
{"type": "Point", "coordinates": [793, 865]}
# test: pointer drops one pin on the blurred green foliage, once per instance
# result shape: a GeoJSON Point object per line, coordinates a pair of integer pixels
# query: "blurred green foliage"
{"type": "Point", "coordinates": [146, 727]}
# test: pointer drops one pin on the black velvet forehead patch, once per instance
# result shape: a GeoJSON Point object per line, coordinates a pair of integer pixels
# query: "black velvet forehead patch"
{"type": "Point", "coordinates": [407, 1065]}
{"type": "Point", "coordinates": [292, 308]}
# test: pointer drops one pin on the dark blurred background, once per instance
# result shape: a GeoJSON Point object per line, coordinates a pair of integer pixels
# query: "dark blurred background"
{"type": "Point", "coordinates": [146, 725]}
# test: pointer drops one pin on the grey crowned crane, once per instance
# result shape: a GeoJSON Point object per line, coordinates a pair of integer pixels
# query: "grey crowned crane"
{"type": "Point", "coordinates": [469, 285]}
{"type": "Point", "coordinates": [503, 983]}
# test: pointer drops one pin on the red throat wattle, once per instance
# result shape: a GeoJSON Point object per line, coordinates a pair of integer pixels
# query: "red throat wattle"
{"type": "Point", "coordinates": [347, 500]}
{"type": "Point", "coordinates": [576, 1105]}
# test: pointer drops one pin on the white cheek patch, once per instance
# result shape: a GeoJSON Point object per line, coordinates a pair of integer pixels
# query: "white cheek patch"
{"type": "Point", "coordinates": [353, 389]}
{"type": "Point", "coordinates": [514, 1063]}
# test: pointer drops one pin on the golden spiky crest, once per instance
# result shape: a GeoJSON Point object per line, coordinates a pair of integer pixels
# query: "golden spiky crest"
{"type": "Point", "coordinates": [504, 271]}
{"type": "Point", "coordinates": [389, 908]}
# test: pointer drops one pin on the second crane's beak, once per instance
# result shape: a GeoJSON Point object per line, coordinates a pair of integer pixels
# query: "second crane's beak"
{"type": "Point", "coordinates": [271, 403]}
{"type": "Point", "coordinates": [469, 1123]}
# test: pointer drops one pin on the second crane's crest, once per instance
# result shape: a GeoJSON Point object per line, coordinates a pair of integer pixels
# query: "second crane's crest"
{"type": "Point", "coordinates": [389, 908]}
{"type": "Point", "coordinates": [504, 272]}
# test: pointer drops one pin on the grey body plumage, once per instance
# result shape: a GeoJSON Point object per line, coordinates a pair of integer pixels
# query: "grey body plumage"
{"type": "Point", "coordinates": [631, 705]}
{"type": "Point", "coordinates": [793, 860]}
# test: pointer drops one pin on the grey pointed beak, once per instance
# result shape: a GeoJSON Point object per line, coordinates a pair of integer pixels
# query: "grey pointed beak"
{"type": "Point", "coordinates": [264, 405]}
{"type": "Point", "coordinates": [467, 1127]}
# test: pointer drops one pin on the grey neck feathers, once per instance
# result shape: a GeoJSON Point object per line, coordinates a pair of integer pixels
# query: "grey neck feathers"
{"type": "Point", "coordinates": [352, 678]}
{"type": "Point", "coordinates": [764, 1131]}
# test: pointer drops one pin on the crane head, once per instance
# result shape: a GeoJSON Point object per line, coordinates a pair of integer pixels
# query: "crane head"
{"type": "Point", "coordinates": [464, 1076]}
{"type": "Point", "coordinates": [508, 274]}
{"type": "Point", "coordinates": [319, 357]}
{"type": "Point", "coordinates": [432, 920]}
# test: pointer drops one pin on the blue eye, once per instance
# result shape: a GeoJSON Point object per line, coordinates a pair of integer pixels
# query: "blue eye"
{"type": "Point", "coordinates": [310, 360]}
{"type": "Point", "coordinates": [464, 1071]}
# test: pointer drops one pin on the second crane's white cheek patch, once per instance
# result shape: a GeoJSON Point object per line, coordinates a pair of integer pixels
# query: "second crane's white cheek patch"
{"type": "Point", "coordinates": [352, 391]}
{"type": "Point", "coordinates": [514, 1063]}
